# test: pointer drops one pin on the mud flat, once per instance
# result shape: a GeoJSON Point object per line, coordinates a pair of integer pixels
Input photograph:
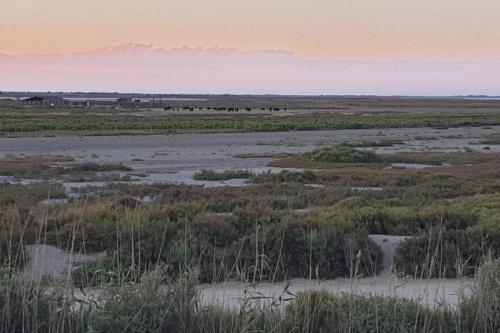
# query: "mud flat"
{"type": "Point", "coordinates": [198, 151]}
{"type": "Point", "coordinates": [175, 158]}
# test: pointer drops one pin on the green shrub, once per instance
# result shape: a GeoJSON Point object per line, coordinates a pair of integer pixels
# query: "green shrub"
{"type": "Point", "coordinates": [96, 167]}
{"type": "Point", "coordinates": [342, 155]}
{"type": "Point", "coordinates": [28, 196]}
{"type": "Point", "coordinates": [105, 271]}
{"type": "Point", "coordinates": [412, 221]}
{"type": "Point", "coordinates": [284, 176]}
{"type": "Point", "coordinates": [207, 245]}
{"type": "Point", "coordinates": [26, 307]}
{"type": "Point", "coordinates": [18, 228]}
{"type": "Point", "coordinates": [481, 312]}
{"type": "Point", "coordinates": [212, 175]}
{"type": "Point", "coordinates": [442, 253]}
{"type": "Point", "coordinates": [148, 307]}
{"type": "Point", "coordinates": [245, 219]}
{"type": "Point", "coordinates": [299, 248]}
{"type": "Point", "coordinates": [350, 203]}
{"type": "Point", "coordinates": [92, 236]}
{"type": "Point", "coordinates": [261, 319]}
{"type": "Point", "coordinates": [319, 311]}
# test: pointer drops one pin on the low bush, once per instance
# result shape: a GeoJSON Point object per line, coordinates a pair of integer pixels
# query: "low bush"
{"type": "Point", "coordinates": [148, 307]}
{"type": "Point", "coordinates": [379, 143]}
{"type": "Point", "coordinates": [444, 253]}
{"type": "Point", "coordinates": [247, 218]}
{"type": "Point", "coordinates": [28, 196]}
{"type": "Point", "coordinates": [285, 245]}
{"type": "Point", "coordinates": [96, 167]}
{"type": "Point", "coordinates": [319, 311]}
{"type": "Point", "coordinates": [27, 307]}
{"type": "Point", "coordinates": [451, 240]}
{"type": "Point", "coordinates": [342, 155]}
{"type": "Point", "coordinates": [105, 271]}
{"type": "Point", "coordinates": [284, 177]}
{"type": "Point", "coordinates": [212, 175]}
{"type": "Point", "coordinates": [298, 248]}
{"type": "Point", "coordinates": [18, 228]}
{"type": "Point", "coordinates": [481, 312]}
{"type": "Point", "coordinates": [253, 318]}
{"type": "Point", "coordinates": [412, 220]}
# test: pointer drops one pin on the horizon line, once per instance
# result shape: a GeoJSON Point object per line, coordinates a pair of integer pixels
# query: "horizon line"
{"type": "Point", "coordinates": [34, 92]}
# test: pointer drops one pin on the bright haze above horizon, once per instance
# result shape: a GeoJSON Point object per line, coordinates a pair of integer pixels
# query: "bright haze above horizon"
{"type": "Point", "coordinates": [384, 47]}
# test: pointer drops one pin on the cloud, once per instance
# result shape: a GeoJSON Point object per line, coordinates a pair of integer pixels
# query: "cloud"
{"type": "Point", "coordinates": [144, 68]}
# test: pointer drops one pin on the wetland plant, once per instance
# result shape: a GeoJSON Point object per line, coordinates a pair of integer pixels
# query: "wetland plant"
{"type": "Point", "coordinates": [212, 175]}
{"type": "Point", "coordinates": [342, 155]}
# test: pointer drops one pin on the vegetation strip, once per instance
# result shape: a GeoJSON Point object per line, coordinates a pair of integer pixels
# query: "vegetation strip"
{"type": "Point", "coordinates": [98, 124]}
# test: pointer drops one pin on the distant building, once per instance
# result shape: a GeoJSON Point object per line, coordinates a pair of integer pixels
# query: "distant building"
{"type": "Point", "coordinates": [84, 103]}
{"type": "Point", "coordinates": [46, 100]}
{"type": "Point", "coordinates": [33, 100]}
{"type": "Point", "coordinates": [124, 101]}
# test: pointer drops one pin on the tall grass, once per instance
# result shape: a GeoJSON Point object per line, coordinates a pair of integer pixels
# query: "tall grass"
{"type": "Point", "coordinates": [157, 255]}
{"type": "Point", "coordinates": [153, 304]}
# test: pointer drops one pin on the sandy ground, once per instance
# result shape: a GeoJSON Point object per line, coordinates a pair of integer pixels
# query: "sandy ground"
{"type": "Point", "coordinates": [236, 295]}
{"type": "Point", "coordinates": [432, 292]}
{"type": "Point", "coordinates": [45, 261]}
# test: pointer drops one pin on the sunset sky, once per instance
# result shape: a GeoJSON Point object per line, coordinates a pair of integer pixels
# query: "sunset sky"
{"type": "Point", "coordinates": [442, 33]}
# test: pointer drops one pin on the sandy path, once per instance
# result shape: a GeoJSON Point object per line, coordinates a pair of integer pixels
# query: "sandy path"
{"type": "Point", "coordinates": [233, 294]}
{"type": "Point", "coordinates": [388, 245]}
{"type": "Point", "coordinates": [430, 292]}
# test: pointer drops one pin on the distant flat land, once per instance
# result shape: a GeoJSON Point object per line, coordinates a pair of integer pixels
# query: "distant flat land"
{"type": "Point", "coordinates": [172, 114]}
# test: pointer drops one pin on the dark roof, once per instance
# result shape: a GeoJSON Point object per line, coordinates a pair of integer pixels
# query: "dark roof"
{"type": "Point", "coordinates": [34, 99]}
{"type": "Point", "coordinates": [45, 98]}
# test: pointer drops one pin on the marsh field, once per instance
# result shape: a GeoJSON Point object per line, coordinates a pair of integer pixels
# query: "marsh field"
{"type": "Point", "coordinates": [251, 214]}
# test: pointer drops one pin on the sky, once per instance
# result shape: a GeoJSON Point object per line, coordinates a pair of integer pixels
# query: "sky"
{"type": "Point", "coordinates": [435, 47]}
